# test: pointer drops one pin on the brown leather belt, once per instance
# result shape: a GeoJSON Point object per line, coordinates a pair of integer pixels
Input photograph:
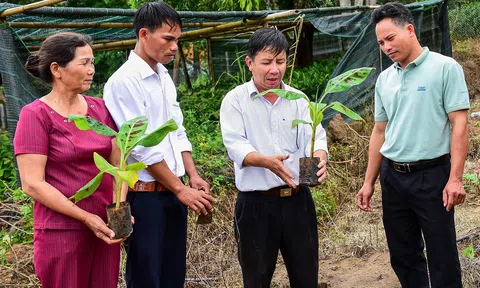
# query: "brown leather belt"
{"type": "Point", "coordinates": [408, 167]}
{"type": "Point", "coordinates": [153, 186]}
{"type": "Point", "coordinates": [282, 191]}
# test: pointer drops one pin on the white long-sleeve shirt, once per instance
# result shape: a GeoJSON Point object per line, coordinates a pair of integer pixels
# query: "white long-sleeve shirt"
{"type": "Point", "coordinates": [259, 126]}
{"type": "Point", "coordinates": [136, 90]}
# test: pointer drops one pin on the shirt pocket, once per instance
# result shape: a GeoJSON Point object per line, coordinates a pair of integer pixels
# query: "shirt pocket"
{"type": "Point", "coordinates": [288, 136]}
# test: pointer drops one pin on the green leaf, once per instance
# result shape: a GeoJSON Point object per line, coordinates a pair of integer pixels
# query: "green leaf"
{"type": "Point", "coordinates": [348, 79]}
{"type": "Point", "coordinates": [471, 177]}
{"type": "Point", "coordinates": [131, 132]}
{"type": "Point", "coordinates": [101, 163]}
{"type": "Point", "coordinates": [337, 106]}
{"type": "Point", "coordinates": [316, 112]}
{"type": "Point", "coordinates": [158, 135]}
{"type": "Point", "coordinates": [289, 95]}
{"type": "Point", "coordinates": [88, 189]}
{"type": "Point", "coordinates": [131, 177]}
{"type": "Point", "coordinates": [86, 123]}
{"type": "Point", "coordinates": [298, 121]}
{"type": "Point", "coordinates": [468, 252]}
{"type": "Point", "coordinates": [136, 166]}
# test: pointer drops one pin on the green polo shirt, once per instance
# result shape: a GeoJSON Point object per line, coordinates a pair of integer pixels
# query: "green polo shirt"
{"type": "Point", "coordinates": [416, 101]}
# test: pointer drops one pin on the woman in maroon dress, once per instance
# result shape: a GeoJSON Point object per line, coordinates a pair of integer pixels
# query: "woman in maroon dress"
{"type": "Point", "coordinates": [73, 246]}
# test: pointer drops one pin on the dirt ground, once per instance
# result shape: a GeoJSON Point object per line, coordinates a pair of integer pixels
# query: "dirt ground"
{"type": "Point", "coordinates": [353, 251]}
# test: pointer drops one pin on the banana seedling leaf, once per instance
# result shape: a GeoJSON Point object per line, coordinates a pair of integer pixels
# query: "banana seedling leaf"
{"type": "Point", "coordinates": [289, 95]}
{"type": "Point", "coordinates": [316, 112]}
{"type": "Point", "coordinates": [299, 121]}
{"type": "Point", "coordinates": [136, 166]}
{"type": "Point", "coordinates": [86, 123]}
{"type": "Point", "coordinates": [337, 106]}
{"type": "Point", "coordinates": [344, 81]}
{"type": "Point", "coordinates": [88, 189]}
{"type": "Point", "coordinates": [131, 132]}
{"type": "Point", "coordinates": [158, 135]}
{"type": "Point", "coordinates": [104, 166]}
{"type": "Point", "coordinates": [101, 163]}
{"type": "Point", "coordinates": [131, 177]}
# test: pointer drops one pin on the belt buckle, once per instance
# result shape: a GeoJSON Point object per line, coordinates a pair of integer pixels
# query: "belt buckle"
{"type": "Point", "coordinates": [285, 192]}
{"type": "Point", "coordinates": [398, 167]}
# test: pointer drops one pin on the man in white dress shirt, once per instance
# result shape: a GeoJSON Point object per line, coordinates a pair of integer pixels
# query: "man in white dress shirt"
{"type": "Point", "coordinates": [156, 253]}
{"type": "Point", "coordinates": [266, 151]}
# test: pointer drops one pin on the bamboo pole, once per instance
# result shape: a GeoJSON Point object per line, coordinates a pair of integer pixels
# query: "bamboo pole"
{"type": "Point", "coordinates": [120, 25]}
{"type": "Point", "coordinates": [69, 25]}
{"type": "Point", "coordinates": [237, 31]}
{"type": "Point", "coordinates": [241, 36]}
{"type": "Point", "coordinates": [21, 9]}
{"type": "Point", "coordinates": [131, 43]}
{"type": "Point", "coordinates": [297, 40]}
{"type": "Point", "coordinates": [99, 25]}
{"type": "Point", "coordinates": [200, 33]}
{"type": "Point", "coordinates": [114, 44]}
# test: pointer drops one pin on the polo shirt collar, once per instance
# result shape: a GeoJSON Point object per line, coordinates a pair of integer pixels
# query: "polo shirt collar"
{"type": "Point", "coordinates": [142, 66]}
{"type": "Point", "coordinates": [252, 89]}
{"type": "Point", "coordinates": [417, 61]}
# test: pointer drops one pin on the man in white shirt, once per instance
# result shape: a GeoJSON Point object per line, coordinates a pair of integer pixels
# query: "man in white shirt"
{"type": "Point", "coordinates": [266, 151]}
{"type": "Point", "coordinates": [156, 253]}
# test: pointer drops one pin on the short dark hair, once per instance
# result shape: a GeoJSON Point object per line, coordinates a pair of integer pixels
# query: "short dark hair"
{"type": "Point", "coordinates": [153, 15]}
{"type": "Point", "coordinates": [267, 39]}
{"type": "Point", "coordinates": [399, 14]}
{"type": "Point", "coordinates": [60, 48]}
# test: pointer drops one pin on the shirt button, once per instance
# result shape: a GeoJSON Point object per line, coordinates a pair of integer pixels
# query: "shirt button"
{"type": "Point", "coordinates": [92, 106]}
{"type": "Point", "coordinates": [52, 112]}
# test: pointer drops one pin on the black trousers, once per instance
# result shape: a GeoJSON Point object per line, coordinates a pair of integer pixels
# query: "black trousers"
{"type": "Point", "coordinates": [156, 250]}
{"type": "Point", "coordinates": [266, 224]}
{"type": "Point", "coordinates": [412, 205]}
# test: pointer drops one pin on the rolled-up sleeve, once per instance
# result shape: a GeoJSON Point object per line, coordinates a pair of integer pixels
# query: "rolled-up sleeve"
{"type": "Point", "coordinates": [233, 130]}
{"type": "Point", "coordinates": [183, 142]}
{"type": "Point", "coordinates": [124, 102]}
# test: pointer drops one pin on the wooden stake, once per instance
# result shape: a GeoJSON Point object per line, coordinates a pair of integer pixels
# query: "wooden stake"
{"type": "Point", "coordinates": [21, 9]}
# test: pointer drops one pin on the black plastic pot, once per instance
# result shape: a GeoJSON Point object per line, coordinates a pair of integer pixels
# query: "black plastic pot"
{"type": "Point", "coordinates": [308, 171]}
{"type": "Point", "coordinates": [119, 220]}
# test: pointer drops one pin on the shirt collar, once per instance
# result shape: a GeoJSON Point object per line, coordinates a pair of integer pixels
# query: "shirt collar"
{"type": "Point", "coordinates": [145, 69]}
{"type": "Point", "coordinates": [252, 89]}
{"type": "Point", "coordinates": [417, 61]}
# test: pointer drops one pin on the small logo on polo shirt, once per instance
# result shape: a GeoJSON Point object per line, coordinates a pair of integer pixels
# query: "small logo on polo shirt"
{"type": "Point", "coordinates": [421, 88]}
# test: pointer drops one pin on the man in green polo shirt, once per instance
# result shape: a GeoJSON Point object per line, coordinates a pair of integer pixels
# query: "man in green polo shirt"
{"type": "Point", "coordinates": [418, 100]}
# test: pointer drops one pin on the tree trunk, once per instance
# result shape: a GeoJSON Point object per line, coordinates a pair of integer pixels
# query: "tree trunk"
{"type": "Point", "coordinates": [176, 68]}
{"type": "Point", "coordinates": [184, 66]}
{"type": "Point", "coordinates": [196, 62]}
{"type": "Point", "coordinates": [345, 3]}
{"type": "Point", "coordinates": [305, 46]}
